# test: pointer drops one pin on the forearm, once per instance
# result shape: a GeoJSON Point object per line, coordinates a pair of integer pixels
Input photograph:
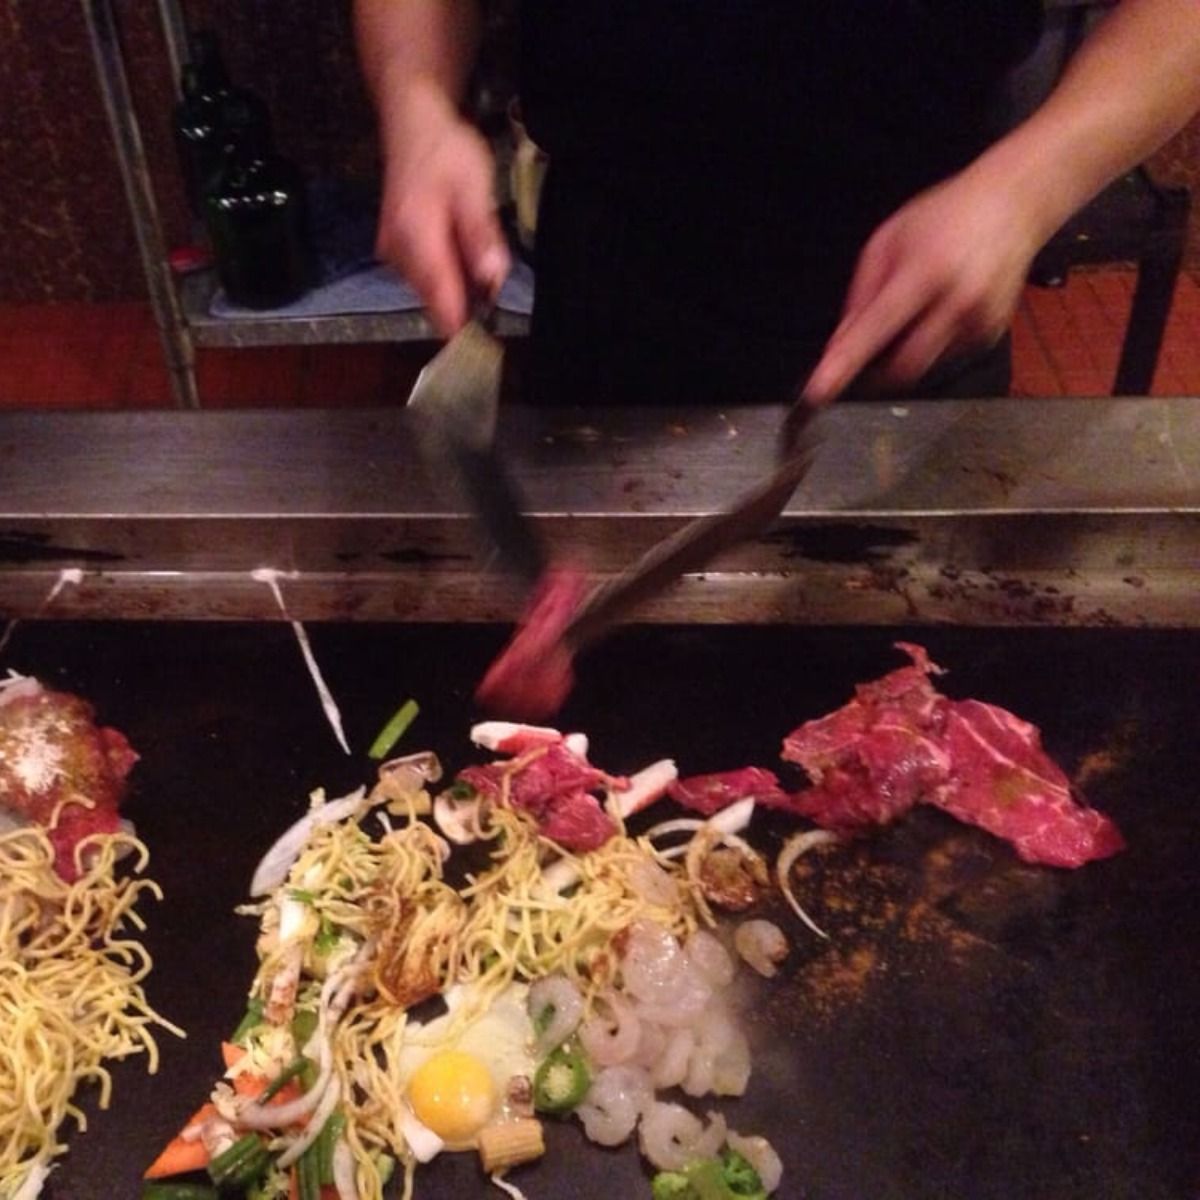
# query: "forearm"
{"type": "Point", "coordinates": [1133, 84]}
{"type": "Point", "coordinates": [415, 54]}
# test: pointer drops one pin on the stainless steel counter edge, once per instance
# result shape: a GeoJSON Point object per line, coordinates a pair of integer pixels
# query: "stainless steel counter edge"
{"type": "Point", "coordinates": [996, 512]}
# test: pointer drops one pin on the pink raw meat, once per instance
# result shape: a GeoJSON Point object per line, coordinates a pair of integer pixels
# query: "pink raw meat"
{"type": "Point", "coordinates": [534, 673]}
{"type": "Point", "coordinates": [58, 768]}
{"type": "Point", "coordinates": [899, 743]}
{"type": "Point", "coordinates": [707, 794]}
{"type": "Point", "coordinates": [1005, 783]}
{"type": "Point", "coordinates": [554, 787]}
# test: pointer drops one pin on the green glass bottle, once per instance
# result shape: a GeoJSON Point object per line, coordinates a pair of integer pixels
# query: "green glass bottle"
{"type": "Point", "coordinates": [257, 217]}
{"type": "Point", "coordinates": [199, 118]}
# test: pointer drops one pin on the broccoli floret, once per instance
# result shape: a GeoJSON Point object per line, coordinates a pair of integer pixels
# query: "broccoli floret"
{"type": "Point", "coordinates": [731, 1177]}
{"type": "Point", "coordinates": [672, 1185]}
{"type": "Point", "coordinates": [740, 1177]}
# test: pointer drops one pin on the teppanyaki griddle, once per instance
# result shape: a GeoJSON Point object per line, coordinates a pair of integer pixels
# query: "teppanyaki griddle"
{"type": "Point", "coordinates": [975, 1028]}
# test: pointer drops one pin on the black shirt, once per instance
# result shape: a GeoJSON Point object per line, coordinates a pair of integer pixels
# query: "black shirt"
{"type": "Point", "coordinates": [751, 146]}
{"type": "Point", "coordinates": [880, 90]}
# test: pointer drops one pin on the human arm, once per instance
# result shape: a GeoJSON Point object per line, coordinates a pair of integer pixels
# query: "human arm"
{"type": "Point", "coordinates": [437, 221]}
{"type": "Point", "coordinates": [944, 273]}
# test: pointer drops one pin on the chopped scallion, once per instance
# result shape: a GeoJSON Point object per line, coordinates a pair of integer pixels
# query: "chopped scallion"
{"type": "Point", "coordinates": [394, 730]}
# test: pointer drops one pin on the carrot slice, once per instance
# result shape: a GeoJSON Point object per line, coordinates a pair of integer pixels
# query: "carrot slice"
{"type": "Point", "coordinates": [181, 1156]}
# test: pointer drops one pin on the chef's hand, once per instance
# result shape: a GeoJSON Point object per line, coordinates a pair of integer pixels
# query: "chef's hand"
{"type": "Point", "coordinates": [942, 276]}
{"type": "Point", "coordinates": [438, 224]}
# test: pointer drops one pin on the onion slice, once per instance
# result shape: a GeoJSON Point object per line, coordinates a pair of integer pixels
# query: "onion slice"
{"type": "Point", "coordinates": [509, 1189]}
{"type": "Point", "coordinates": [645, 787]}
{"type": "Point", "coordinates": [31, 1188]}
{"type": "Point", "coordinates": [422, 1141]}
{"type": "Point", "coordinates": [509, 737]}
{"type": "Point", "coordinates": [578, 744]}
{"type": "Point", "coordinates": [797, 845]}
{"type": "Point", "coordinates": [559, 875]}
{"type": "Point", "coordinates": [312, 1131]}
{"type": "Point", "coordinates": [729, 820]}
{"type": "Point", "coordinates": [335, 995]}
{"type": "Point", "coordinates": [343, 1171]}
{"type": "Point", "coordinates": [274, 866]}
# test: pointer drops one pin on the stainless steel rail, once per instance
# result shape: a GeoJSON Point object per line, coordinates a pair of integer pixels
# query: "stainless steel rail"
{"type": "Point", "coordinates": [997, 512]}
{"type": "Point", "coordinates": [112, 78]}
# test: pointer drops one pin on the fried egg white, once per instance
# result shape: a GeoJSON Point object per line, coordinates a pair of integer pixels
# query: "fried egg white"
{"type": "Point", "coordinates": [454, 1076]}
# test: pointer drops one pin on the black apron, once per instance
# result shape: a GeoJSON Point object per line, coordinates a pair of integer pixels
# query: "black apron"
{"type": "Point", "coordinates": [716, 166]}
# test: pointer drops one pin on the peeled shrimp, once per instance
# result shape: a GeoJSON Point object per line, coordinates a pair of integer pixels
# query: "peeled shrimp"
{"type": "Point", "coordinates": [653, 964]}
{"type": "Point", "coordinates": [614, 1102]}
{"type": "Point", "coordinates": [710, 959]}
{"type": "Point", "coordinates": [714, 1032]}
{"type": "Point", "coordinates": [760, 1154]}
{"type": "Point", "coordinates": [559, 994]}
{"type": "Point", "coordinates": [671, 1067]}
{"type": "Point", "coordinates": [671, 1137]}
{"type": "Point", "coordinates": [610, 1040]}
{"type": "Point", "coordinates": [653, 884]}
{"type": "Point", "coordinates": [762, 945]}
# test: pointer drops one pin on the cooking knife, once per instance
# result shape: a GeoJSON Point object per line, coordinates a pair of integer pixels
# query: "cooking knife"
{"type": "Point", "coordinates": [452, 411]}
{"type": "Point", "coordinates": [701, 540]}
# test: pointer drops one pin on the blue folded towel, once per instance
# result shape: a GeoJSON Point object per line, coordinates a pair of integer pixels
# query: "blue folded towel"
{"type": "Point", "coordinates": [373, 289]}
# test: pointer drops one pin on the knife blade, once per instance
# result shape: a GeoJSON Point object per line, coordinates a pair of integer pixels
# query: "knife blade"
{"type": "Point", "coordinates": [452, 411]}
{"type": "Point", "coordinates": [701, 540]}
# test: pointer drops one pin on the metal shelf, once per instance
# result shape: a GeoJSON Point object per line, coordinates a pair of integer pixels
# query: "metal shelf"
{"type": "Point", "coordinates": [182, 307]}
{"type": "Point", "coordinates": [196, 293]}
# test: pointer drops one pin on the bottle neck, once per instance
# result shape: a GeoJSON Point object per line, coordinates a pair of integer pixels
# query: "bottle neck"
{"type": "Point", "coordinates": [208, 65]}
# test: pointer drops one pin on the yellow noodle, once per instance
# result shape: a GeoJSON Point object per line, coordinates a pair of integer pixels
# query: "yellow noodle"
{"type": "Point", "coordinates": [70, 990]}
{"type": "Point", "coordinates": [423, 937]}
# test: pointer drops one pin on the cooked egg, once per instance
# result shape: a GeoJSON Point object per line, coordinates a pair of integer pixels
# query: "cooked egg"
{"type": "Point", "coordinates": [453, 1093]}
{"type": "Point", "coordinates": [455, 1075]}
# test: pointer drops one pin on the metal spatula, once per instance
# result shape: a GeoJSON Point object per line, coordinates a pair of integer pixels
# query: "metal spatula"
{"type": "Point", "coordinates": [701, 540]}
{"type": "Point", "coordinates": [453, 409]}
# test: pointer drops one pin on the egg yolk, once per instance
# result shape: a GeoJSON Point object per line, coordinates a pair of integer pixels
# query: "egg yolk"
{"type": "Point", "coordinates": [453, 1094]}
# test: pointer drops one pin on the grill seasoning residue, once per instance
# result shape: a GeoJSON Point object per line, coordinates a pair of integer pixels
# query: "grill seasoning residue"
{"type": "Point", "coordinates": [921, 898]}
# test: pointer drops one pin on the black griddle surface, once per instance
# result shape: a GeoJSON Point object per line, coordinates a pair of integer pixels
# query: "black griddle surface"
{"type": "Point", "coordinates": [976, 1029]}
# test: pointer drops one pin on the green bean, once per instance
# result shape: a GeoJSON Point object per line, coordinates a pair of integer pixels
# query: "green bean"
{"type": "Point", "coordinates": [178, 1191]}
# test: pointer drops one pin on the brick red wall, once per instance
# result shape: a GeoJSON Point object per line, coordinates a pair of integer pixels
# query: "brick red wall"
{"type": "Point", "coordinates": [65, 233]}
{"type": "Point", "coordinates": [64, 230]}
